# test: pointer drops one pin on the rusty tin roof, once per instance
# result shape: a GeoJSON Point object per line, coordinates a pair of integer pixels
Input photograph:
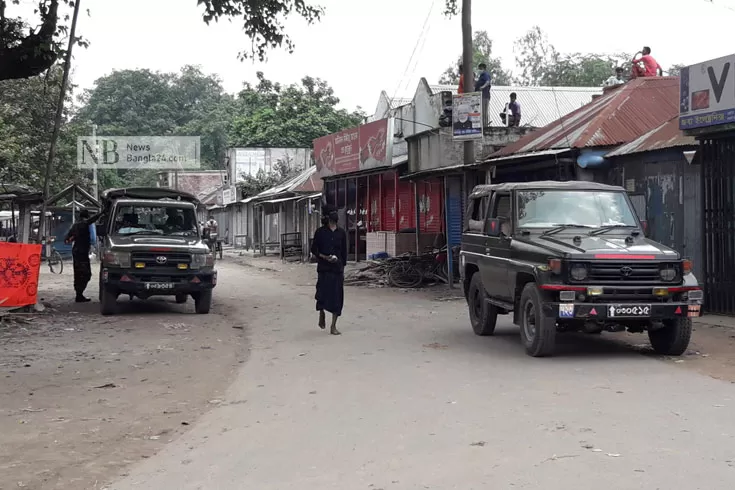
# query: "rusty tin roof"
{"type": "Point", "coordinates": [667, 135]}
{"type": "Point", "coordinates": [617, 117]}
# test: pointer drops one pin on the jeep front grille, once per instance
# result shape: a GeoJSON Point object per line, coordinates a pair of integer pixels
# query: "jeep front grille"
{"type": "Point", "coordinates": [161, 259]}
{"type": "Point", "coordinates": [629, 272]}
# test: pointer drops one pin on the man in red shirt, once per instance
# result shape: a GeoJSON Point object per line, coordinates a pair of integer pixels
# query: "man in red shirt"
{"type": "Point", "coordinates": [651, 66]}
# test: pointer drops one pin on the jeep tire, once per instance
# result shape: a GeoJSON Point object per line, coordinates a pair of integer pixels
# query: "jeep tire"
{"type": "Point", "coordinates": [538, 332]}
{"type": "Point", "coordinates": [673, 338]}
{"type": "Point", "coordinates": [483, 315]}
{"type": "Point", "coordinates": [203, 301]}
{"type": "Point", "coordinates": [108, 302]}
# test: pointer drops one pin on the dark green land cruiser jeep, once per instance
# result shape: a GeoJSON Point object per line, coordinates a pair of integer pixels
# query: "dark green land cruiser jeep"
{"type": "Point", "coordinates": [572, 256]}
{"type": "Point", "coordinates": [152, 246]}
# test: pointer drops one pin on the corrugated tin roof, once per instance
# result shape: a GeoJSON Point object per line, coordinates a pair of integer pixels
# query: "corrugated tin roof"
{"type": "Point", "coordinates": [539, 105]}
{"type": "Point", "coordinates": [306, 181]}
{"type": "Point", "coordinates": [618, 117]}
{"type": "Point", "coordinates": [667, 135]}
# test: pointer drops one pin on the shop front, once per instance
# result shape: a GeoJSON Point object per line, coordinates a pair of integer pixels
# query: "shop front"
{"type": "Point", "coordinates": [361, 176]}
{"type": "Point", "coordinates": [707, 111]}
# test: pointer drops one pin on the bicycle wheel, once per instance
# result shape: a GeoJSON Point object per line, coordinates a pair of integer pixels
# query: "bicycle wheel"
{"type": "Point", "coordinates": [55, 263]}
{"type": "Point", "coordinates": [405, 275]}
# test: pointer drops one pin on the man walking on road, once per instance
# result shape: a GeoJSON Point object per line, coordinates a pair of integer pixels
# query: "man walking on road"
{"type": "Point", "coordinates": [330, 248]}
{"type": "Point", "coordinates": [80, 235]}
{"type": "Point", "coordinates": [483, 85]}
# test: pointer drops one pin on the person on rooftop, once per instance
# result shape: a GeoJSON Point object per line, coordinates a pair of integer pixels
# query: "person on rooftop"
{"type": "Point", "coordinates": [617, 79]}
{"type": "Point", "coordinates": [650, 68]}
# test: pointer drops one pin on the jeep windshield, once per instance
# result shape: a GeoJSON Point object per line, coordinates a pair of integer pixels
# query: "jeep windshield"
{"type": "Point", "coordinates": [560, 210]}
{"type": "Point", "coordinates": [154, 220]}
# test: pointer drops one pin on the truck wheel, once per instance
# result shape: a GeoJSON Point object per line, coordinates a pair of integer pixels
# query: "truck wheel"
{"type": "Point", "coordinates": [203, 301]}
{"type": "Point", "coordinates": [181, 298]}
{"type": "Point", "coordinates": [483, 315]}
{"type": "Point", "coordinates": [673, 338]}
{"type": "Point", "coordinates": [538, 333]}
{"type": "Point", "coordinates": [108, 302]}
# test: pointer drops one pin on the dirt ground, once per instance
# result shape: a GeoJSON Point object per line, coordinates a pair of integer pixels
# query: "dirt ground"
{"type": "Point", "coordinates": [82, 396]}
{"type": "Point", "coordinates": [711, 351]}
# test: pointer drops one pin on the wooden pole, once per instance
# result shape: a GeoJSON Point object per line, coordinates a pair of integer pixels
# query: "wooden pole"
{"type": "Point", "coordinates": [43, 225]}
{"type": "Point", "coordinates": [469, 79]}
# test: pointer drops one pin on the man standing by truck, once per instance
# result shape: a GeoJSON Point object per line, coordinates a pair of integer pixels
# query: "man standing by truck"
{"type": "Point", "coordinates": [82, 238]}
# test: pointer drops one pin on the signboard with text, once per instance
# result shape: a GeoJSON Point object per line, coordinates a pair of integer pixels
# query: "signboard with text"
{"type": "Point", "coordinates": [467, 116]}
{"type": "Point", "coordinates": [707, 94]}
{"type": "Point", "coordinates": [355, 149]}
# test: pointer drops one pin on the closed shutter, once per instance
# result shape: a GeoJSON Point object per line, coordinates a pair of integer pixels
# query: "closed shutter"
{"type": "Point", "coordinates": [455, 200]}
{"type": "Point", "coordinates": [406, 208]}
{"type": "Point", "coordinates": [389, 210]}
{"type": "Point", "coordinates": [430, 206]}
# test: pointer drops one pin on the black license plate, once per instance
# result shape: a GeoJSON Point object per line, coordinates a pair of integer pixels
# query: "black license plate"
{"type": "Point", "coordinates": [629, 311]}
{"type": "Point", "coordinates": [158, 286]}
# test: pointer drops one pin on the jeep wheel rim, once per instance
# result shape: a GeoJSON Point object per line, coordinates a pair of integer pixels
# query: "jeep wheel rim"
{"type": "Point", "coordinates": [529, 321]}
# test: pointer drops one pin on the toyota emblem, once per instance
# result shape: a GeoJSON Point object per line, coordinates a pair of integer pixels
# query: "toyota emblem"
{"type": "Point", "coordinates": [161, 259]}
{"type": "Point", "coordinates": [626, 271]}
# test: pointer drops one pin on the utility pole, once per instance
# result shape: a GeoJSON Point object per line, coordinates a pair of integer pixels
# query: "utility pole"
{"type": "Point", "coordinates": [43, 224]}
{"type": "Point", "coordinates": [95, 185]}
{"type": "Point", "coordinates": [468, 72]}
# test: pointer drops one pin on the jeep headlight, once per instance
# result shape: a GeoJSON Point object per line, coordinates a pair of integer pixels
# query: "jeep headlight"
{"type": "Point", "coordinates": [118, 259]}
{"type": "Point", "coordinates": [667, 274]}
{"type": "Point", "coordinates": [202, 260]}
{"type": "Point", "coordinates": [578, 272]}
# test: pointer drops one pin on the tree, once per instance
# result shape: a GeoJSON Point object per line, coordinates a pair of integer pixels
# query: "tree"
{"type": "Point", "coordinates": [482, 47]}
{"type": "Point", "coordinates": [27, 111]}
{"type": "Point", "coordinates": [541, 64]}
{"type": "Point", "coordinates": [293, 116]}
{"type": "Point", "coordinates": [675, 70]}
{"type": "Point", "coordinates": [26, 52]}
{"type": "Point", "coordinates": [147, 103]}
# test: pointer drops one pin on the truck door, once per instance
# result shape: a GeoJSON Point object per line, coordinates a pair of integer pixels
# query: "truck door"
{"type": "Point", "coordinates": [497, 249]}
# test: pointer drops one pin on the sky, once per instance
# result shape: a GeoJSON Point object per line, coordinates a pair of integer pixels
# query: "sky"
{"type": "Point", "coordinates": [363, 47]}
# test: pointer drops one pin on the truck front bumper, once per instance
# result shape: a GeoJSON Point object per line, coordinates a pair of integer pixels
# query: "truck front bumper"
{"type": "Point", "coordinates": [158, 282]}
{"type": "Point", "coordinates": [620, 311]}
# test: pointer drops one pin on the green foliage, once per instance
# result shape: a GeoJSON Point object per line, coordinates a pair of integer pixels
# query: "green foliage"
{"type": "Point", "coordinates": [541, 64]}
{"type": "Point", "coordinates": [252, 185]}
{"type": "Point", "coordinates": [482, 49]}
{"type": "Point", "coordinates": [27, 111]}
{"type": "Point", "coordinates": [293, 116]}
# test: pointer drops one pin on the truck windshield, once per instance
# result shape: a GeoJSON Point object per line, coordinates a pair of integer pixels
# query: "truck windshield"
{"type": "Point", "coordinates": [593, 209]}
{"type": "Point", "coordinates": [155, 220]}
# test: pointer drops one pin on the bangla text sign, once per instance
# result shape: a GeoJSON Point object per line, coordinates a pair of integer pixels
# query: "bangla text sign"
{"type": "Point", "coordinates": [707, 94]}
{"type": "Point", "coordinates": [355, 149]}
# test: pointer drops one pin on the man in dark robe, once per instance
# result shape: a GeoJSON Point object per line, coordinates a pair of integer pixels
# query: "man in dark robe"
{"type": "Point", "coordinates": [79, 234]}
{"type": "Point", "coordinates": [330, 249]}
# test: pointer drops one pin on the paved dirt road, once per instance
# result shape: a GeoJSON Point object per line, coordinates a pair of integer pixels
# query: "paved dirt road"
{"type": "Point", "coordinates": [409, 398]}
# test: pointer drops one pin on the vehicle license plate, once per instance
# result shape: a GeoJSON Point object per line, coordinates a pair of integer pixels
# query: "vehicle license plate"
{"type": "Point", "coordinates": [628, 311]}
{"type": "Point", "coordinates": [159, 285]}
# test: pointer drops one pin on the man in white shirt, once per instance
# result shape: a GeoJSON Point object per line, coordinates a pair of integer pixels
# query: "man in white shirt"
{"type": "Point", "coordinates": [616, 79]}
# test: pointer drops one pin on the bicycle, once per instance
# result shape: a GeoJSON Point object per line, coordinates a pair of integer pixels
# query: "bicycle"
{"type": "Point", "coordinates": [53, 257]}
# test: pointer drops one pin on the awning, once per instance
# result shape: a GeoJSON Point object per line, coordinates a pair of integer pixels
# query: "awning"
{"type": "Point", "coordinates": [311, 196]}
{"type": "Point", "coordinates": [527, 156]}
{"type": "Point", "coordinates": [274, 201]}
{"type": "Point", "coordinates": [435, 172]}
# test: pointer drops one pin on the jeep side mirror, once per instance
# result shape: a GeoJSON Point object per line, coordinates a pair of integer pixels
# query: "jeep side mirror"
{"type": "Point", "coordinates": [494, 226]}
